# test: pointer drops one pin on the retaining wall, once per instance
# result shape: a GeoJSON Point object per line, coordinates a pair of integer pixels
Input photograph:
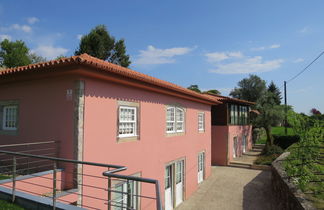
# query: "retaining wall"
{"type": "Point", "coordinates": [288, 195]}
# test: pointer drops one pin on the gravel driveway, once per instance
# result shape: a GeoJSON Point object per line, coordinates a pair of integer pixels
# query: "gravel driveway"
{"type": "Point", "coordinates": [233, 189]}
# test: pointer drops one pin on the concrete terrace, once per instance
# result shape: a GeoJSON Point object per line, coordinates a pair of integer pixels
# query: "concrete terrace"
{"type": "Point", "coordinates": [233, 189]}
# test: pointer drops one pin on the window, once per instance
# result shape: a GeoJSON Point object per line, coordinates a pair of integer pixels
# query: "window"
{"type": "Point", "coordinates": [175, 120]}
{"type": "Point", "coordinates": [170, 120]}
{"type": "Point", "coordinates": [9, 113]}
{"type": "Point", "coordinates": [238, 114]}
{"type": "Point", "coordinates": [180, 119]}
{"type": "Point", "coordinates": [201, 121]}
{"type": "Point", "coordinates": [127, 121]}
{"type": "Point", "coordinates": [179, 171]}
{"type": "Point", "coordinates": [125, 191]}
{"type": "Point", "coordinates": [9, 118]}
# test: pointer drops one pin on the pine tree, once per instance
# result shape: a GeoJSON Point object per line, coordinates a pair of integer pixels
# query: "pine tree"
{"type": "Point", "coordinates": [276, 93]}
{"type": "Point", "coordinates": [100, 44]}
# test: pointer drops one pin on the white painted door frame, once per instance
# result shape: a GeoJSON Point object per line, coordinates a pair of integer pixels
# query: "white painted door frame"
{"type": "Point", "coordinates": [179, 181]}
{"type": "Point", "coordinates": [168, 188]}
{"type": "Point", "coordinates": [201, 166]}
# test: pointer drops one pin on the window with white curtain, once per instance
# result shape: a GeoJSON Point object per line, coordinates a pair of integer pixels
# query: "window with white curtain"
{"type": "Point", "coordinates": [175, 119]}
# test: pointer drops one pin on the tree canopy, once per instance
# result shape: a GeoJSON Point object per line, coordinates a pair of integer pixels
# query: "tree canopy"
{"type": "Point", "coordinates": [213, 91]}
{"type": "Point", "coordinates": [194, 88]}
{"type": "Point", "coordinates": [276, 93]}
{"type": "Point", "coordinates": [250, 89]}
{"type": "Point", "coordinates": [270, 114]}
{"type": "Point", "coordinates": [34, 58]}
{"type": "Point", "coordinates": [13, 54]}
{"type": "Point", "coordinates": [100, 44]}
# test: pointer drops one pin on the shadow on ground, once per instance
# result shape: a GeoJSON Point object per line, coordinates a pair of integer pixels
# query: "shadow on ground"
{"type": "Point", "coordinates": [257, 194]}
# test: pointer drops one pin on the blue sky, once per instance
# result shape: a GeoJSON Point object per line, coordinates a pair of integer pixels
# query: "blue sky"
{"type": "Point", "coordinates": [213, 44]}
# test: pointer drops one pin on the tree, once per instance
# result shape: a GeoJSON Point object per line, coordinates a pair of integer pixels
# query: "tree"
{"type": "Point", "coordinates": [213, 91]}
{"type": "Point", "coordinates": [100, 44]}
{"type": "Point", "coordinates": [194, 88]}
{"type": "Point", "coordinates": [314, 111]}
{"type": "Point", "coordinates": [13, 54]}
{"type": "Point", "coordinates": [34, 58]}
{"type": "Point", "coordinates": [270, 114]}
{"type": "Point", "coordinates": [276, 92]}
{"type": "Point", "coordinates": [250, 89]}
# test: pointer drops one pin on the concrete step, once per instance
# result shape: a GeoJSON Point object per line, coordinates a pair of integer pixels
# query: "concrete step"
{"type": "Point", "coordinates": [258, 146]}
{"type": "Point", "coordinates": [256, 150]}
{"type": "Point", "coordinates": [252, 153]}
{"type": "Point", "coordinates": [240, 164]}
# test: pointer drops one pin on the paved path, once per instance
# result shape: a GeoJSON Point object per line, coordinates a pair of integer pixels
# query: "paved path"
{"type": "Point", "coordinates": [230, 188]}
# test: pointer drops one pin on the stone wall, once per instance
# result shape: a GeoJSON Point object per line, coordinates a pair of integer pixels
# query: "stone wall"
{"type": "Point", "coordinates": [287, 194]}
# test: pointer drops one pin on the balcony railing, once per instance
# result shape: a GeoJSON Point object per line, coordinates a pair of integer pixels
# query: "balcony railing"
{"type": "Point", "coordinates": [96, 186]}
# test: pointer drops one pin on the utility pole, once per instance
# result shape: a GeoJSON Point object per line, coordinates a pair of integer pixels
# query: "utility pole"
{"type": "Point", "coordinates": [286, 108]}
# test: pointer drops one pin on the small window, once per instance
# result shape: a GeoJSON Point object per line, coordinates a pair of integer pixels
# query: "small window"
{"type": "Point", "coordinates": [180, 120]}
{"type": "Point", "coordinates": [201, 121]}
{"type": "Point", "coordinates": [175, 119]}
{"type": "Point", "coordinates": [170, 120]}
{"type": "Point", "coordinates": [127, 121]}
{"type": "Point", "coordinates": [9, 121]}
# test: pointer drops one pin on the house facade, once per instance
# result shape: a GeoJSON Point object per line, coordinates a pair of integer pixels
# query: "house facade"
{"type": "Point", "coordinates": [101, 112]}
{"type": "Point", "coordinates": [231, 129]}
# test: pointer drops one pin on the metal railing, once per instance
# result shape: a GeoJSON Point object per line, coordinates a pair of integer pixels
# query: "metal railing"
{"type": "Point", "coordinates": [92, 196]}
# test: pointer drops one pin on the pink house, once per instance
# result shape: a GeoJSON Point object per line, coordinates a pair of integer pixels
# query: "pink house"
{"type": "Point", "coordinates": [231, 129]}
{"type": "Point", "coordinates": [105, 113]}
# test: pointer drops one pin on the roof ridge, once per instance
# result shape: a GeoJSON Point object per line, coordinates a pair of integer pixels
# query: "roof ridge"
{"type": "Point", "coordinates": [107, 66]}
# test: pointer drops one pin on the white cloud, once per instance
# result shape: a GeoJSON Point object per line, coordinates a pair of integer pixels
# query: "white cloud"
{"type": "Point", "coordinates": [49, 51]}
{"type": "Point", "coordinates": [273, 46]}
{"type": "Point", "coordinates": [24, 28]}
{"type": "Point", "coordinates": [5, 36]}
{"type": "Point", "coordinates": [248, 65]}
{"type": "Point", "coordinates": [79, 36]}
{"type": "Point", "coordinates": [298, 60]}
{"type": "Point", "coordinates": [305, 30]}
{"type": "Point", "coordinates": [154, 55]}
{"type": "Point", "coordinates": [32, 20]}
{"type": "Point", "coordinates": [258, 48]}
{"type": "Point", "coordinates": [240, 64]}
{"type": "Point", "coordinates": [220, 56]}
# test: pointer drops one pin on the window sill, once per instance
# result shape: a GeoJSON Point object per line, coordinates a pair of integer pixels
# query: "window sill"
{"type": "Point", "coordinates": [201, 131]}
{"type": "Point", "coordinates": [121, 139]}
{"type": "Point", "coordinates": [175, 134]}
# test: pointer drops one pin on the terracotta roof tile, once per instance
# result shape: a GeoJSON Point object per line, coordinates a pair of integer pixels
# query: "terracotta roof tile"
{"type": "Point", "coordinates": [102, 65]}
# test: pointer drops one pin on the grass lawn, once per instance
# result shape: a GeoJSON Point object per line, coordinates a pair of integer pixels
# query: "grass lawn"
{"type": "Point", "coordinates": [4, 205]}
{"type": "Point", "coordinates": [4, 177]}
{"type": "Point", "coordinates": [280, 131]}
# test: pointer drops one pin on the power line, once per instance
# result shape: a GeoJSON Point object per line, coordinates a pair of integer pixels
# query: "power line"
{"type": "Point", "coordinates": [306, 67]}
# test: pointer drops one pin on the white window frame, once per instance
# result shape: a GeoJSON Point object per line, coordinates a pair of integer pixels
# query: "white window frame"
{"type": "Point", "coordinates": [13, 117]}
{"type": "Point", "coordinates": [175, 119]}
{"type": "Point", "coordinates": [178, 111]}
{"type": "Point", "coordinates": [127, 121]}
{"type": "Point", "coordinates": [170, 120]}
{"type": "Point", "coordinates": [201, 121]}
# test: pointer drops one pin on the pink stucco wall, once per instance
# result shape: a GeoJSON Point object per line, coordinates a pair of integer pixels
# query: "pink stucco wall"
{"type": "Point", "coordinates": [45, 114]}
{"type": "Point", "coordinates": [154, 150]}
{"type": "Point", "coordinates": [219, 145]}
{"type": "Point", "coordinates": [239, 131]}
{"type": "Point", "coordinates": [222, 142]}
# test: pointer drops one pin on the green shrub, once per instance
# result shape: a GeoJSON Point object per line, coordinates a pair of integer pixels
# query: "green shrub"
{"type": "Point", "coordinates": [285, 141]}
{"type": "Point", "coordinates": [272, 150]}
{"type": "Point", "coordinates": [266, 159]}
